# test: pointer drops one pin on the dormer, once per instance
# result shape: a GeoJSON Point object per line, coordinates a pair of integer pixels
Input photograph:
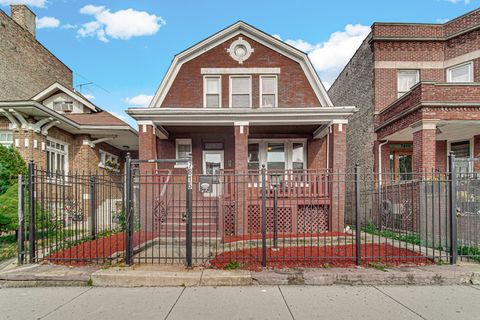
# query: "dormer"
{"type": "Point", "coordinates": [65, 101]}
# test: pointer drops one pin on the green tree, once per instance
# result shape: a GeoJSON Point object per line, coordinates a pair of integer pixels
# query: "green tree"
{"type": "Point", "coordinates": [9, 209]}
{"type": "Point", "coordinates": [11, 165]}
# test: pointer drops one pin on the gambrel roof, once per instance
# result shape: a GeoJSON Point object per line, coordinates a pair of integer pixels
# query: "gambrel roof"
{"type": "Point", "coordinates": [261, 37]}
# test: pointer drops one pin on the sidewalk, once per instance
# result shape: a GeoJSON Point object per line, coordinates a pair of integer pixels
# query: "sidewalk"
{"type": "Point", "coordinates": [252, 302]}
{"type": "Point", "coordinates": [177, 275]}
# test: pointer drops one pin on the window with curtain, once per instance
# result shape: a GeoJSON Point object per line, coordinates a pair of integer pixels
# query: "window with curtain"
{"type": "Point", "coordinates": [268, 87]}
{"type": "Point", "coordinates": [406, 79]}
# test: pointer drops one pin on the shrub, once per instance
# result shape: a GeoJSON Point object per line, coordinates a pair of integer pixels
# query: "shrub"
{"type": "Point", "coordinates": [8, 209]}
{"type": "Point", "coordinates": [11, 165]}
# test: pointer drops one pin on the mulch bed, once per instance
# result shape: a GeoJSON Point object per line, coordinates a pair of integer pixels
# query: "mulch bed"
{"type": "Point", "coordinates": [342, 256]}
{"type": "Point", "coordinates": [229, 239]}
{"type": "Point", "coordinates": [98, 250]}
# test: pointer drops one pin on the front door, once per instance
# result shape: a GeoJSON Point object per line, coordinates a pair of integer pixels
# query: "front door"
{"type": "Point", "coordinates": [212, 164]}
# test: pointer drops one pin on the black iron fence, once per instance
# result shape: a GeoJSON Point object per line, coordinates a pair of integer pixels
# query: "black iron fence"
{"type": "Point", "coordinates": [155, 213]}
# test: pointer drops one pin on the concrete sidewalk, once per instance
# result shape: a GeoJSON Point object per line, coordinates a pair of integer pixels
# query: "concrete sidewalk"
{"type": "Point", "coordinates": [171, 275]}
{"type": "Point", "coordinates": [253, 302]}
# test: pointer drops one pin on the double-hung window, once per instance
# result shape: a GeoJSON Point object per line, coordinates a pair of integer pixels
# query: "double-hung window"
{"type": "Point", "coordinates": [212, 92]}
{"type": "Point", "coordinates": [268, 91]}
{"type": "Point", "coordinates": [57, 158]}
{"type": "Point", "coordinates": [183, 151]}
{"type": "Point", "coordinates": [6, 138]}
{"type": "Point", "coordinates": [460, 73]}
{"type": "Point", "coordinates": [241, 91]}
{"type": "Point", "coordinates": [406, 79]}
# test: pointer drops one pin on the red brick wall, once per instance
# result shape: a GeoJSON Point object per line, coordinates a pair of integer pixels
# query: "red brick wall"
{"type": "Point", "coordinates": [441, 155]}
{"type": "Point", "coordinates": [293, 87]}
{"type": "Point", "coordinates": [424, 148]}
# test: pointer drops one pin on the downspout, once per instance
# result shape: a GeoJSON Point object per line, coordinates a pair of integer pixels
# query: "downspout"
{"type": "Point", "coordinates": [328, 149]}
{"type": "Point", "coordinates": [380, 161]}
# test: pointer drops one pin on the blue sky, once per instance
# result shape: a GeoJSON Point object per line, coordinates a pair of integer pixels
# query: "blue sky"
{"type": "Point", "coordinates": [125, 47]}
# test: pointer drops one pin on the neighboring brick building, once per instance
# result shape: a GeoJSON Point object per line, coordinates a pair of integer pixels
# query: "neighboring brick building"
{"type": "Point", "coordinates": [417, 88]}
{"type": "Point", "coordinates": [241, 99]}
{"type": "Point", "coordinates": [40, 113]}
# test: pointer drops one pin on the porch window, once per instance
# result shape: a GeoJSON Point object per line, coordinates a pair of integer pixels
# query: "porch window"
{"type": "Point", "coordinates": [268, 91]}
{"type": "Point", "coordinates": [298, 156]}
{"type": "Point", "coordinates": [57, 158]}
{"type": "Point", "coordinates": [212, 92]}
{"type": "Point", "coordinates": [406, 79]}
{"type": "Point", "coordinates": [276, 156]}
{"type": "Point", "coordinates": [6, 138]}
{"type": "Point", "coordinates": [460, 73]}
{"type": "Point", "coordinates": [253, 156]}
{"type": "Point", "coordinates": [183, 151]}
{"type": "Point", "coordinates": [241, 92]}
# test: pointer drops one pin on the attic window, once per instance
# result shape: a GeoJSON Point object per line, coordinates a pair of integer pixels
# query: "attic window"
{"type": "Point", "coordinates": [63, 106]}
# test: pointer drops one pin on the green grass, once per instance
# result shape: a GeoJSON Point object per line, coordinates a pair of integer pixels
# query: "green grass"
{"type": "Point", "coordinates": [412, 238]}
{"type": "Point", "coordinates": [471, 252]}
{"type": "Point", "coordinates": [233, 265]}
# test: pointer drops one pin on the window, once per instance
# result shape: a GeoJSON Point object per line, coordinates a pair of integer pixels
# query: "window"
{"type": "Point", "coordinates": [63, 106]}
{"type": "Point", "coordinates": [57, 158]}
{"type": "Point", "coordinates": [461, 150]}
{"type": "Point", "coordinates": [268, 91]}
{"type": "Point", "coordinates": [406, 79]}
{"type": "Point", "coordinates": [253, 156]}
{"type": "Point", "coordinates": [240, 92]}
{"type": "Point", "coordinates": [109, 161]}
{"type": "Point", "coordinates": [6, 138]}
{"type": "Point", "coordinates": [212, 92]}
{"type": "Point", "coordinates": [298, 156]}
{"type": "Point", "coordinates": [183, 151]}
{"type": "Point", "coordinates": [460, 73]}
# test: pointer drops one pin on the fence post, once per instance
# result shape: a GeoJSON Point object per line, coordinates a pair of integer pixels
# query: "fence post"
{"type": "Point", "coordinates": [21, 219]}
{"type": "Point", "coordinates": [358, 236]}
{"type": "Point", "coordinates": [189, 215]}
{"type": "Point", "coordinates": [264, 218]}
{"type": "Point", "coordinates": [128, 211]}
{"type": "Point", "coordinates": [453, 208]}
{"type": "Point", "coordinates": [31, 212]}
{"type": "Point", "coordinates": [275, 217]}
{"type": "Point", "coordinates": [93, 214]}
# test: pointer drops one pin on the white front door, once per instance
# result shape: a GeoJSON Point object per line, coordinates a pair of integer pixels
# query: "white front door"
{"type": "Point", "coordinates": [212, 164]}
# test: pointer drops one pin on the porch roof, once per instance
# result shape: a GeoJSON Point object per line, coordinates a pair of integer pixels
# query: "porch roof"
{"type": "Point", "coordinates": [229, 116]}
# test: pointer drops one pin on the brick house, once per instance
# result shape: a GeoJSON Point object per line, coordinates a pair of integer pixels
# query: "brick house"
{"type": "Point", "coordinates": [43, 116]}
{"type": "Point", "coordinates": [241, 99]}
{"type": "Point", "coordinates": [418, 94]}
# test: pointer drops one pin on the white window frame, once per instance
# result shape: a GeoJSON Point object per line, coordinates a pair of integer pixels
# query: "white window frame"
{"type": "Point", "coordinates": [63, 103]}
{"type": "Point", "coordinates": [56, 151]}
{"type": "Point", "coordinates": [470, 68]}
{"type": "Point", "coordinates": [262, 156]}
{"type": "Point", "coordinates": [7, 143]}
{"type": "Point", "coordinates": [182, 142]}
{"type": "Point", "coordinates": [103, 159]}
{"type": "Point", "coordinates": [402, 93]}
{"type": "Point", "coordinates": [275, 90]}
{"type": "Point", "coordinates": [230, 94]}
{"type": "Point", "coordinates": [219, 90]}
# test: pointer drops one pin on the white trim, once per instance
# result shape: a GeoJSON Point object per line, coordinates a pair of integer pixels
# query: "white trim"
{"type": "Point", "coordinates": [183, 142]}
{"type": "Point", "coordinates": [424, 125]}
{"type": "Point", "coordinates": [219, 78]}
{"type": "Point", "coordinates": [103, 160]}
{"type": "Point", "coordinates": [256, 35]}
{"type": "Point", "coordinates": [470, 69]}
{"type": "Point", "coordinates": [7, 142]}
{"type": "Point", "coordinates": [230, 93]}
{"type": "Point", "coordinates": [65, 152]}
{"type": "Point", "coordinates": [217, 71]}
{"type": "Point", "coordinates": [42, 95]}
{"type": "Point", "coordinates": [275, 90]}
{"type": "Point", "coordinates": [288, 147]}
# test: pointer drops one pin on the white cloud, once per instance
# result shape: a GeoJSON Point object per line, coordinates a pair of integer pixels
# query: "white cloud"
{"type": "Point", "coordinates": [442, 20]}
{"type": "Point", "coordinates": [122, 24]}
{"type": "Point", "coordinates": [69, 26]}
{"type": "Point", "coordinates": [331, 56]}
{"type": "Point", "coordinates": [458, 1]}
{"type": "Point", "coordinates": [142, 100]}
{"type": "Point", "coordinates": [32, 3]}
{"type": "Point", "coordinates": [47, 22]}
{"type": "Point", "coordinates": [89, 96]}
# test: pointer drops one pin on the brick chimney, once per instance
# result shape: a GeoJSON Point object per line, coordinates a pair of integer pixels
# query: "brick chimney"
{"type": "Point", "coordinates": [22, 15]}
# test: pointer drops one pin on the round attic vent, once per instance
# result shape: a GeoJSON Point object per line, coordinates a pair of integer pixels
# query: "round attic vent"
{"type": "Point", "coordinates": [240, 50]}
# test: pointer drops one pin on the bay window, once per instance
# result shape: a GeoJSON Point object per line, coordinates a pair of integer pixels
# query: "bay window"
{"type": "Point", "coordinates": [57, 158]}
{"type": "Point", "coordinates": [240, 92]}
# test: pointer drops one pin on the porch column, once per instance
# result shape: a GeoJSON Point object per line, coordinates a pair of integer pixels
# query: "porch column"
{"type": "Point", "coordinates": [147, 140]}
{"type": "Point", "coordinates": [424, 146]}
{"type": "Point", "coordinates": [476, 152]}
{"type": "Point", "coordinates": [337, 164]}
{"type": "Point", "coordinates": [241, 169]}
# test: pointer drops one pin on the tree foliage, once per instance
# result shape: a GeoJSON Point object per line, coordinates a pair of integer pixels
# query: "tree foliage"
{"type": "Point", "coordinates": [11, 165]}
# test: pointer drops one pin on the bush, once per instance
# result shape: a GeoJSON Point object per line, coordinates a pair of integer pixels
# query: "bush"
{"type": "Point", "coordinates": [9, 209]}
{"type": "Point", "coordinates": [11, 165]}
